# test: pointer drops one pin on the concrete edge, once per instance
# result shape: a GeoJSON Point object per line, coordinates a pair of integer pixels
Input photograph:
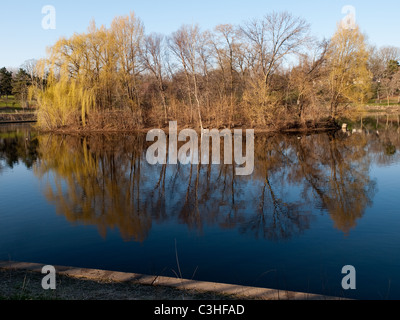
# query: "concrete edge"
{"type": "Point", "coordinates": [243, 292]}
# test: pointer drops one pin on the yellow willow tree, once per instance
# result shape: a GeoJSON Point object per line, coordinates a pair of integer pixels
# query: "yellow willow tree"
{"type": "Point", "coordinates": [93, 71]}
{"type": "Point", "coordinates": [64, 102]}
{"type": "Point", "coordinates": [348, 79]}
{"type": "Point", "coordinates": [69, 96]}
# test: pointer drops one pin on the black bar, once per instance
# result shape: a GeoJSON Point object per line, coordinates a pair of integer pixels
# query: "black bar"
{"type": "Point", "coordinates": [192, 309]}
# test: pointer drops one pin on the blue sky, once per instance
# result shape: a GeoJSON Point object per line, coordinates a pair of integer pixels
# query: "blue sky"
{"type": "Point", "coordinates": [22, 36]}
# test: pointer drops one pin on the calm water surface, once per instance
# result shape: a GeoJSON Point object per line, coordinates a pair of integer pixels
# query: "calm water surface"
{"type": "Point", "coordinates": [313, 205]}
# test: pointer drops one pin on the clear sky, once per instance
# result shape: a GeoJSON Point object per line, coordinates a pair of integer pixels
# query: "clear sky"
{"type": "Point", "coordinates": [22, 36]}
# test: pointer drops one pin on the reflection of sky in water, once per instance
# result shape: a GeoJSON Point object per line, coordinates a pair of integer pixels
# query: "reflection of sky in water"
{"type": "Point", "coordinates": [218, 223]}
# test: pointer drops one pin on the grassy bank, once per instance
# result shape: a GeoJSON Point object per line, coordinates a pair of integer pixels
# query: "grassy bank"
{"type": "Point", "coordinates": [9, 103]}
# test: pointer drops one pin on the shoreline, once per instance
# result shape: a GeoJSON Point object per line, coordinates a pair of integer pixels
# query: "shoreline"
{"type": "Point", "coordinates": [15, 118]}
{"type": "Point", "coordinates": [326, 124]}
{"type": "Point", "coordinates": [93, 284]}
{"type": "Point", "coordinates": [292, 128]}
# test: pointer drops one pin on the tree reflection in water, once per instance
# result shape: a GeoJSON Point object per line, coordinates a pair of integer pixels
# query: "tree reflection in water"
{"type": "Point", "coordinates": [105, 181]}
{"type": "Point", "coordinates": [17, 144]}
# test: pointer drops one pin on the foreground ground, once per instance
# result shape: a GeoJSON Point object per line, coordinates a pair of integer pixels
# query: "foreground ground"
{"type": "Point", "coordinates": [26, 285]}
{"type": "Point", "coordinates": [23, 281]}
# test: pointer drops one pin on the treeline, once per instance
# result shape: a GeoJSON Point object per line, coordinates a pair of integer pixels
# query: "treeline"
{"type": "Point", "coordinates": [267, 73]}
{"type": "Point", "coordinates": [16, 83]}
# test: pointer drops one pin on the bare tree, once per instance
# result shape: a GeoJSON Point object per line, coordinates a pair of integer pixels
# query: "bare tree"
{"type": "Point", "coordinates": [153, 57]}
{"type": "Point", "coordinates": [30, 67]}
{"type": "Point", "coordinates": [128, 33]}
{"type": "Point", "coordinates": [184, 44]}
{"type": "Point", "coordinates": [274, 38]}
{"type": "Point", "coordinates": [304, 80]}
{"type": "Point", "coordinates": [226, 48]}
{"type": "Point", "coordinates": [205, 58]}
{"type": "Point", "coordinates": [388, 54]}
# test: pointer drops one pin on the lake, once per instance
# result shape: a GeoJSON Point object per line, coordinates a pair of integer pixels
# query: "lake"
{"type": "Point", "coordinates": [314, 204]}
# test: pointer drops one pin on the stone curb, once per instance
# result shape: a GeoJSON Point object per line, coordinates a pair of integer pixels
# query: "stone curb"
{"type": "Point", "coordinates": [246, 293]}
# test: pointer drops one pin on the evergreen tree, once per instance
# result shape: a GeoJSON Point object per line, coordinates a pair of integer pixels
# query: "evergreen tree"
{"type": "Point", "coordinates": [5, 82]}
{"type": "Point", "coordinates": [392, 67]}
{"type": "Point", "coordinates": [20, 85]}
